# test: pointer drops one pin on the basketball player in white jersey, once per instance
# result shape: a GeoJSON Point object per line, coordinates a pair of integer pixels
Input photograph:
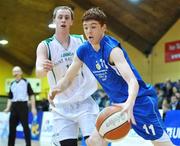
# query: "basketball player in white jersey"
{"type": "Point", "coordinates": [74, 108]}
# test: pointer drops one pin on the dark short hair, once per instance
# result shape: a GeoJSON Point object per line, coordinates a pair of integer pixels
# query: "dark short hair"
{"type": "Point", "coordinates": [63, 8]}
{"type": "Point", "coordinates": [95, 14]}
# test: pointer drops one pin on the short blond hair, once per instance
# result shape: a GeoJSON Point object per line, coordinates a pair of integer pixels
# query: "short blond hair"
{"type": "Point", "coordinates": [63, 8]}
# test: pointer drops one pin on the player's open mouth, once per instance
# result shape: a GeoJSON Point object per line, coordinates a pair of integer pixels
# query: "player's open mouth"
{"type": "Point", "coordinates": [63, 25]}
{"type": "Point", "coordinates": [90, 37]}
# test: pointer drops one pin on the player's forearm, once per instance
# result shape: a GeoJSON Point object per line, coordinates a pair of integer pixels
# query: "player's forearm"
{"type": "Point", "coordinates": [71, 73]}
{"type": "Point", "coordinates": [133, 89]}
{"type": "Point", "coordinates": [63, 84]}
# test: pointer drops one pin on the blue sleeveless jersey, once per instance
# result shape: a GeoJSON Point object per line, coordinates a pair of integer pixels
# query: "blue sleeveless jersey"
{"type": "Point", "coordinates": [108, 75]}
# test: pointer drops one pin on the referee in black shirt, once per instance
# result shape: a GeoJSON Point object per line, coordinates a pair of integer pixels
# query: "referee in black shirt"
{"type": "Point", "coordinates": [20, 91]}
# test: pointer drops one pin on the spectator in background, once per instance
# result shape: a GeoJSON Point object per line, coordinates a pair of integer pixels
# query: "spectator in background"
{"type": "Point", "coordinates": [178, 95]}
{"type": "Point", "coordinates": [175, 103]}
{"type": "Point", "coordinates": [169, 96]}
{"type": "Point", "coordinates": [160, 95]}
{"type": "Point", "coordinates": [101, 98]}
{"type": "Point", "coordinates": [168, 92]}
{"type": "Point", "coordinates": [168, 89]}
{"type": "Point", "coordinates": [177, 85]}
{"type": "Point", "coordinates": [174, 90]}
{"type": "Point", "coordinates": [20, 91]}
{"type": "Point", "coordinates": [165, 106]}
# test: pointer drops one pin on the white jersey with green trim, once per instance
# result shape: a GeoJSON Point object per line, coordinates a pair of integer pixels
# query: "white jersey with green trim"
{"type": "Point", "coordinates": [84, 84]}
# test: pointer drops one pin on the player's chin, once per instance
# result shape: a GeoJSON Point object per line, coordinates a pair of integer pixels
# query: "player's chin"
{"type": "Point", "coordinates": [90, 40]}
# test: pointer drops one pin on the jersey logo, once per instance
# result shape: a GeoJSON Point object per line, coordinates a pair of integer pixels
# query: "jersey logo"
{"type": "Point", "coordinates": [101, 69]}
{"type": "Point", "coordinates": [98, 66]}
{"type": "Point", "coordinates": [101, 65]}
{"type": "Point", "coordinates": [66, 57]}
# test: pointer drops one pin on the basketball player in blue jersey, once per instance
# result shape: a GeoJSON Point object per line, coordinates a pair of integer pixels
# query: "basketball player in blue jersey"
{"type": "Point", "coordinates": [73, 108]}
{"type": "Point", "coordinates": [109, 63]}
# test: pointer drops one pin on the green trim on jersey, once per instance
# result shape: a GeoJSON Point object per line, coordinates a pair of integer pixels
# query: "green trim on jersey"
{"type": "Point", "coordinates": [47, 41]}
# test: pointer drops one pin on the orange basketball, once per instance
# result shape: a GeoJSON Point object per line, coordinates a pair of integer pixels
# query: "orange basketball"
{"type": "Point", "coordinates": [112, 124]}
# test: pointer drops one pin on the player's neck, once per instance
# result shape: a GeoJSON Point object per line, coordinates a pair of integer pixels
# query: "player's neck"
{"type": "Point", "coordinates": [96, 47]}
{"type": "Point", "coordinates": [62, 34]}
{"type": "Point", "coordinates": [62, 38]}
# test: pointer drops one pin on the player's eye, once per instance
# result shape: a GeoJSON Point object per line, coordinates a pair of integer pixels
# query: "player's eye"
{"type": "Point", "coordinates": [60, 17]}
{"type": "Point", "coordinates": [85, 28]}
{"type": "Point", "coordinates": [67, 17]}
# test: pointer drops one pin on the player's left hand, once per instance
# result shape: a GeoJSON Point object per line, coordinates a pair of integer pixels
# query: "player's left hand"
{"type": "Point", "coordinates": [52, 93]}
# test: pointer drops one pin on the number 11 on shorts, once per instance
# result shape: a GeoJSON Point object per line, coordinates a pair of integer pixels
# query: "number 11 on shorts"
{"type": "Point", "coordinates": [149, 128]}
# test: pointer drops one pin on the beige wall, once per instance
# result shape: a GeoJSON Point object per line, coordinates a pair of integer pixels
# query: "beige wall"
{"type": "Point", "coordinates": [161, 70]}
{"type": "Point", "coordinates": [5, 72]}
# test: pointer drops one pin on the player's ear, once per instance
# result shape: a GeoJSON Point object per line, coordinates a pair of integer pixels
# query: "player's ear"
{"type": "Point", "coordinates": [104, 27]}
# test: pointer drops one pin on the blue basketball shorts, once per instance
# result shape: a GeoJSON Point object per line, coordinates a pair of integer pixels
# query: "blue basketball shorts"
{"type": "Point", "coordinates": [149, 124]}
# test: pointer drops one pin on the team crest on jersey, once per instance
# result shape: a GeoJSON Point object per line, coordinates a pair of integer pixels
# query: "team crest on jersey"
{"type": "Point", "coordinates": [101, 65]}
{"type": "Point", "coordinates": [98, 66]}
